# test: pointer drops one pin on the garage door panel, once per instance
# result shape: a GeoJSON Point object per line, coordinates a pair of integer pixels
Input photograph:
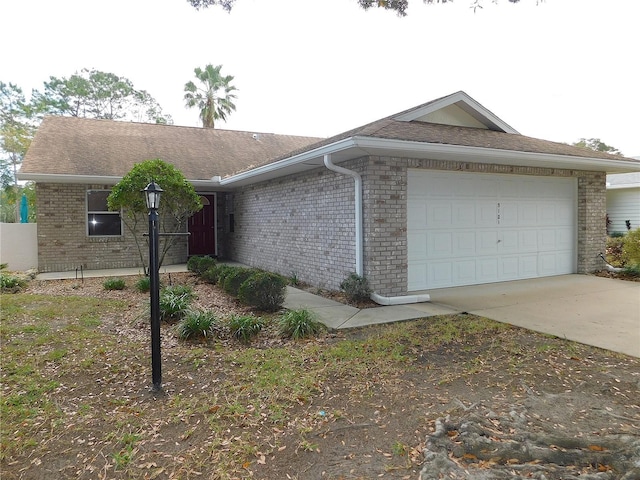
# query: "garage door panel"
{"type": "Point", "coordinates": [417, 214]}
{"type": "Point", "coordinates": [481, 228]}
{"type": "Point", "coordinates": [487, 269]}
{"type": "Point", "coordinates": [464, 272]}
{"type": "Point", "coordinates": [528, 266]}
{"type": "Point", "coordinates": [487, 243]}
{"type": "Point", "coordinates": [508, 267]}
{"type": "Point", "coordinates": [486, 214]}
{"type": "Point", "coordinates": [528, 240]}
{"type": "Point", "coordinates": [464, 244]}
{"type": "Point", "coordinates": [439, 244]}
{"type": "Point", "coordinates": [439, 214]}
{"type": "Point", "coordinates": [464, 214]}
{"type": "Point", "coordinates": [527, 214]}
{"type": "Point", "coordinates": [417, 246]}
{"type": "Point", "coordinates": [439, 274]}
{"type": "Point", "coordinates": [508, 214]}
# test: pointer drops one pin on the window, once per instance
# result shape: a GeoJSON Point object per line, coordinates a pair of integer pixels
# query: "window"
{"type": "Point", "coordinates": [100, 221]}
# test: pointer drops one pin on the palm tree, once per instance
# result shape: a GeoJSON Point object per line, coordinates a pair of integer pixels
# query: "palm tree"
{"type": "Point", "coordinates": [214, 97]}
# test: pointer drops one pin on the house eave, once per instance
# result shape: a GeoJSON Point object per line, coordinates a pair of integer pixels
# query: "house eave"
{"type": "Point", "coordinates": [358, 146]}
{"type": "Point", "coordinates": [98, 180]}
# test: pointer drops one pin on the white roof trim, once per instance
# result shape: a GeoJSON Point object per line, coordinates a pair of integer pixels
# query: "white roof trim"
{"type": "Point", "coordinates": [466, 103]}
{"type": "Point", "coordinates": [94, 179]}
{"type": "Point", "coordinates": [355, 147]}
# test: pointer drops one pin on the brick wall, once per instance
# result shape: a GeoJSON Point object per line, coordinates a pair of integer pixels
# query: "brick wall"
{"type": "Point", "coordinates": [63, 243]}
{"type": "Point", "coordinates": [592, 220]}
{"type": "Point", "coordinates": [298, 225]}
{"type": "Point", "coordinates": [303, 225]}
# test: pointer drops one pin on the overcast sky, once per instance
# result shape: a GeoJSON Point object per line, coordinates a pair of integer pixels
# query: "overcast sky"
{"type": "Point", "coordinates": [561, 70]}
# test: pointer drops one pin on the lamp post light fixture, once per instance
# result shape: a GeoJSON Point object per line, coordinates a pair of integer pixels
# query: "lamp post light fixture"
{"type": "Point", "coordinates": [153, 192]}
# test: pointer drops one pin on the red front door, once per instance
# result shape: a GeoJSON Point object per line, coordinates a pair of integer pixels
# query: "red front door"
{"type": "Point", "coordinates": [202, 227]}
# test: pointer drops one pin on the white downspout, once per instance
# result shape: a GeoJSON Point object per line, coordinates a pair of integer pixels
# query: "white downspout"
{"type": "Point", "coordinates": [358, 207]}
{"type": "Point", "coordinates": [359, 239]}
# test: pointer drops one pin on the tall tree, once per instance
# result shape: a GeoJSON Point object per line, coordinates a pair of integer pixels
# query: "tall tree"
{"type": "Point", "coordinates": [214, 97]}
{"type": "Point", "coordinates": [399, 6]}
{"type": "Point", "coordinates": [97, 94]}
{"type": "Point", "coordinates": [16, 131]}
{"type": "Point", "coordinates": [597, 145]}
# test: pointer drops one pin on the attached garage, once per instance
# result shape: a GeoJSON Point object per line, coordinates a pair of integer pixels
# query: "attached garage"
{"type": "Point", "coordinates": [471, 228]}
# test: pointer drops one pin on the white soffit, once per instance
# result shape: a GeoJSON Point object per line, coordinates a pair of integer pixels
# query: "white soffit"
{"type": "Point", "coordinates": [464, 103]}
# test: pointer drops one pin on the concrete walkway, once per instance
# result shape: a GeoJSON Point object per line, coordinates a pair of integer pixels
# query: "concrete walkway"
{"type": "Point", "coordinates": [596, 311]}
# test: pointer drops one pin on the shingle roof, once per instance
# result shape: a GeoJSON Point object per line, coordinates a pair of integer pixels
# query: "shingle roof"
{"type": "Point", "coordinates": [416, 131]}
{"type": "Point", "coordinates": [81, 146]}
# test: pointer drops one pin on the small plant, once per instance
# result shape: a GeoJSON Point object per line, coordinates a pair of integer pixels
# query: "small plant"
{"type": "Point", "coordinates": [631, 248]}
{"type": "Point", "coordinates": [299, 324]}
{"type": "Point", "coordinates": [235, 278]}
{"type": "Point", "coordinates": [143, 284]}
{"type": "Point", "coordinates": [244, 327]}
{"type": "Point", "coordinates": [114, 284]}
{"type": "Point", "coordinates": [196, 324]}
{"type": "Point", "coordinates": [293, 279]}
{"type": "Point", "coordinates": [399, 449]}
{"type": "Point", "coordinates": [10, 283]}
{"type": "Point", "coordinates": [263, 290]}
{"type": "Point", "coordinates": [181, 290]}
{"type": "Point", "coordinates": [175, 302]}
{"type": "Point", "coordinates": [356, 287]}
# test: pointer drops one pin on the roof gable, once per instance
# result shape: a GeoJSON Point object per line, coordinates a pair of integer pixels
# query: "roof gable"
{"type": "Point", "coordinates": [457, 109]}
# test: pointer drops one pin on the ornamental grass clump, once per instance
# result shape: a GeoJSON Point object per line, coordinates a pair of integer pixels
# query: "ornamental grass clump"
{"type": "Point", "coordinates": [143, 284]}
{"type": "Point", "coordinates": [264, 291]}
{"type": "Point", "coordinates": [114, 284]}
{"type": "Point", "coordinates": [175, 301]}
{"type": "Point", "coordinates": [196, 324]}
{"type": "Point", "coordinates": [298, 324]}
{"type": "Point", "coordinates": [245, 327]}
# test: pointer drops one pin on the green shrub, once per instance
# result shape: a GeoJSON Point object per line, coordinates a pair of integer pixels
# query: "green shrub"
{"type": "Point", "coordinates": [200, 264]}
{"type": "Point", "coordinates": [244, 327]}
{"type": "Point", "coordinates": [632, 270]}
{"type": "Point", "coordinates": [263, 290]}
{"type": "Point", "coordinates": [10, 283]}
{"type": "Point", "coordinates": [356, 287]}
{"type": "Point", "coordinates": [631, 248]}
{"type": "Point", "coordinates": [235, 278]}
{"type": "Point", "coordinates": [114, 284]}
{"type": "Point", "coordinates": [221, 272]}
{"type": "Point", "coordinates": [196, 324]}
{"type": "Point", "coordinates": [299, 323]}
{"type": "Point", "coordinates": [617, 234]}
{"type": "Point", "coordinates": [175, 302]}
{"type": "Point", "coordinates": [211, 274]}
{"type": "Point", "coordinates": [143, 284]}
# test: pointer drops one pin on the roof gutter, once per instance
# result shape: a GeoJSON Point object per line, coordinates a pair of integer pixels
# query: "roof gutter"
{"type": "Point", "coordinates": [290, 161]}
{"type": "Point", "coordinates": [96, 179]}
{"type": "Point", "coordinates": [497, 156]}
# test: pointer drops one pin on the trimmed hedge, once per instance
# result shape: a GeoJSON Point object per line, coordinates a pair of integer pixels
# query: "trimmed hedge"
{"type": "Point", "coordinates": [263, 290]}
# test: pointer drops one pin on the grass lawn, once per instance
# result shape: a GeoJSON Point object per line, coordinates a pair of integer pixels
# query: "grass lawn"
{"type": "Point", "coordinates": [77, 399]}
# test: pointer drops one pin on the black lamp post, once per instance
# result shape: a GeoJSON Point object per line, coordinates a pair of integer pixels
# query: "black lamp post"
{"type": "Point", "coordinates": [152, 192]}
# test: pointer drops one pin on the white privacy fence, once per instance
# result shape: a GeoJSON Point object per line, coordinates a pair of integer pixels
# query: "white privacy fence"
{"type": "Point", "coordinates": [19, 245]}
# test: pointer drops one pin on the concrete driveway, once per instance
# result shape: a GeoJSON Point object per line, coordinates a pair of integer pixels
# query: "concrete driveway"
{"type": "Point", "coordinates": [596, 311]}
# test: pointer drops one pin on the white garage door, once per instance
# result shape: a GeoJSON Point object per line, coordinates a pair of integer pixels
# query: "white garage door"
{"type": "Point", "coordinates": [469, 228]}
